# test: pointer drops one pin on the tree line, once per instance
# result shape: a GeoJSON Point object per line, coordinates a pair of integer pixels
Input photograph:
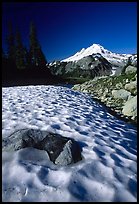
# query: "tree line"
{"type": "Point", "coordinates": [21, 66]}
{"type": "Point", "coordinates": [18, 53]}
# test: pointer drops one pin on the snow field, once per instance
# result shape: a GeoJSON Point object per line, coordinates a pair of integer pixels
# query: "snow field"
{"type": "Point", "coordinates": [108, 171]}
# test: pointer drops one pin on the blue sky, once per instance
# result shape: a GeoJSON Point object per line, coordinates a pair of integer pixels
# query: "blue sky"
{"type": "Point", "coordinates": [63, 28]}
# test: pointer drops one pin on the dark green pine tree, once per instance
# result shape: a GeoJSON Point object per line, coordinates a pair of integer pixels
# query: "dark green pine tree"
{"type": "Point", "coordinates": [41, 58]}
{"type": "Point", "coordinates": [27, 57]}
{"type": "Point", "coordinates": [20, 52]}
{"type": "Point", "coordinates": [36, 55]}
{"type": "Point", "coordinates": [10, 43]}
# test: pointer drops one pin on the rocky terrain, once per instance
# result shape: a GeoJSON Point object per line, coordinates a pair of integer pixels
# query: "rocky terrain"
{"type": "Point", "coordinates": [109, 77]}
{"type": "Point", "coordinates": [87, 67]}
{"type": "Point", "coordinates": [119, 93]}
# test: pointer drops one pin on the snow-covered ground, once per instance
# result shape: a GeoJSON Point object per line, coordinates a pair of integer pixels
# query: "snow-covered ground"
{"type": "Point", "coordinates": [108, 171]}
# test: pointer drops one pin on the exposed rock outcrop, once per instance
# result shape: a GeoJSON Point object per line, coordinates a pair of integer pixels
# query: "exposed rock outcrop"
{"type": "Point", "coordinates": [132, 87]}
{"type": "Point", "coordinates": [131, 69]}
{"type": "Point", "coordinates": [121, 94]}
{"type": "Point", "coordinates": [116, 92]}
{"type": "Point", "coordinates": [61, 150]}
{"type": "Point", "coordinates": [130, 108]}
{"type": "Point", "coordinates": [89, 67]}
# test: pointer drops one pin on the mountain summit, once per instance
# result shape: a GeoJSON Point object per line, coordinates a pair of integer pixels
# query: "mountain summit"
{"type": "Point", "coordinates": [94, 49]}
{"type": "Point", "coordinates": [118, 61]}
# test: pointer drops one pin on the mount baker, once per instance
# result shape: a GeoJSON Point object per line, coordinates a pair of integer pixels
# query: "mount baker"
{"type": "Point", "coordinates": [93, 61]}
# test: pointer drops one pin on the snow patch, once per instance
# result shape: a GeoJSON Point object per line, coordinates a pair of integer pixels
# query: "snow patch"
{"type": "Point", "coordinates": [108, 171]}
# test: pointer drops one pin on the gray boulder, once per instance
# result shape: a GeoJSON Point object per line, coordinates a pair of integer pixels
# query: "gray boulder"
{"type": "Point", "coordinates": [130, 69]}
{"type": "Point", "coordinates": [121, 94]}
{"type": "Point", "coordinates": [67, 155]}
{"type": "Point", "coordinates": [14, 141]}
{"type": "Point", "coordinates": [61, 150]}
{"type": "Point", "coordinates": [132, 87]}
{"type": "Point", "coordinates": [130, 107]}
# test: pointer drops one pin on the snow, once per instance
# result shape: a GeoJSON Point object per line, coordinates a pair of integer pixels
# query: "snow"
{"type": "Point", "coordinates": [108, 171]}
{"type": "Point", "coordinates": [96, 48]}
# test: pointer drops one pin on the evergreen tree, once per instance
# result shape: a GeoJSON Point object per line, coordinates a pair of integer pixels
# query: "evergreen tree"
{"type": "Point", "coordinates": [10, 43]}
{"type": "Point", "coordinates": [27, 57]}
{"type": "Point", "coordinates": [19, 52]}
{"type": "Point", "coordinates": [35, 53]}
{"type": "Point", "coordinates": [41, 58]}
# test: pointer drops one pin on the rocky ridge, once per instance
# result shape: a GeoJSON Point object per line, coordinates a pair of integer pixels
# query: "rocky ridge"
{"type": "Point", "coordinates": [119, 93]}
{"type": "Point", "coordinates": [91, 62]}
{"type": "Point", "coordinates": [87, 67]}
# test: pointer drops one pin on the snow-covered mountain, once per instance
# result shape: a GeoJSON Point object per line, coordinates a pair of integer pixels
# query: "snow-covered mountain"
{"type": "Point", "coordinates": [88, 67]}
{"type": "Point", "coordinates": [117, 60]}
{"type": "Point", "coordinates": [96, 48]}
{"type": "Point", "coordinates": [93, 61]}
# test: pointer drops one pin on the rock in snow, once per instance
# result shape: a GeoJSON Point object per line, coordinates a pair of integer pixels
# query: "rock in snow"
{"type": "Point", "coordinates": [61, 150]}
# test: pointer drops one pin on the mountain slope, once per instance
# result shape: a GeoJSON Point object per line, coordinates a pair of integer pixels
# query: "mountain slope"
{"type": "Point", "coordinates": [93, 61]}
{"type": "Point", "coordinates": [117, 60]}
{"type": "Point", "coordinates": [87, 67]}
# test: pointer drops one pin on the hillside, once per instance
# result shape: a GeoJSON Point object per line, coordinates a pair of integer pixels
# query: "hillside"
{"type": "Point", "coordinates": [91, 62]}
{"type": "Point", "coordinates": [119, 93]}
